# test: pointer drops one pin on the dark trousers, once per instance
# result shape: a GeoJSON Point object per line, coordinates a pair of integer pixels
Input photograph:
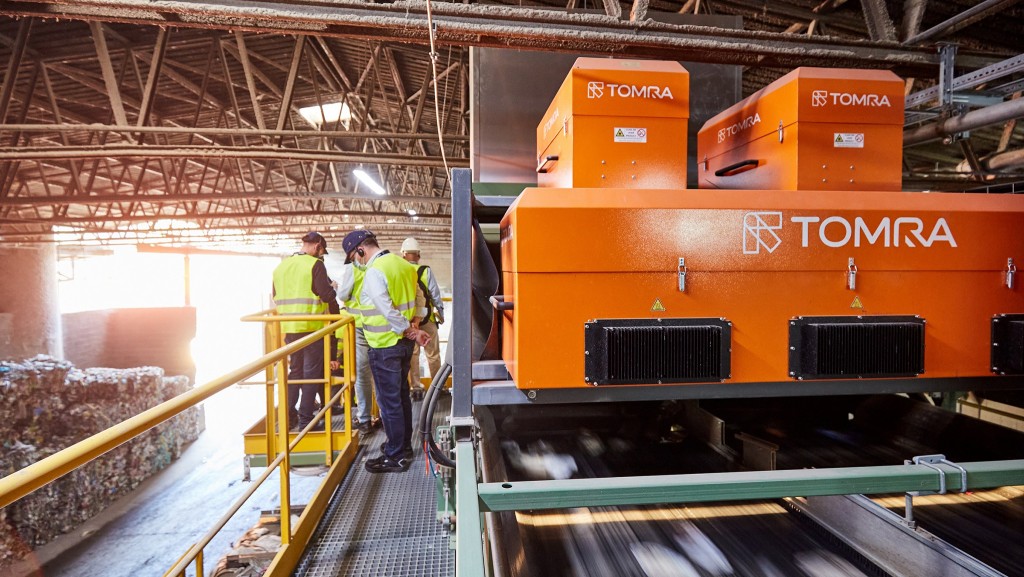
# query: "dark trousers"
{"type": "Point", "coordinates": [305, 363]}
{"type": "Point", "coordinates": [390, 368]}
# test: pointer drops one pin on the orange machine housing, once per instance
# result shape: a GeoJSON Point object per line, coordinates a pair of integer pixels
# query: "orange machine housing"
{"type": "Point", "coordinates": [613, 286]}
{"type": "Point", "coordinates": [760, 260]}
{"type": "Point", "coordinates": [812, 129]}
{"type": "Point", "coordinates": [616, 123]}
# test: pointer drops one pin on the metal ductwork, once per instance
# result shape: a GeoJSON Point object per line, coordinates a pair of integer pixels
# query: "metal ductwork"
{"type": "Point", "coordinates": [987, 116]}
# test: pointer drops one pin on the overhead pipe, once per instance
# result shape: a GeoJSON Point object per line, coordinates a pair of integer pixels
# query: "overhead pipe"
{"type": "Point", "coordinates": [499, 26]}
{"type": "Point", "coordinates": [1011, 160]}
{"type": "Point", "coordinates": [987, 116]}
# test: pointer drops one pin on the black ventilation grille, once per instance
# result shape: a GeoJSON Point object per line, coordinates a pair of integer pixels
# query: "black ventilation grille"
{"type": "Point", "coordinates": [653, 351]}
{"type": "Point", "coordinates": [856, 347]}
{"type": "Point", "coordinates": [1008, 344]}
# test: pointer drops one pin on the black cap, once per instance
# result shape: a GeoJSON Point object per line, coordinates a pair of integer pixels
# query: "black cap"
{"type": "Point", "coordinates": [353, 240]}
{"type": "Point", "coordinates": [314, 237]}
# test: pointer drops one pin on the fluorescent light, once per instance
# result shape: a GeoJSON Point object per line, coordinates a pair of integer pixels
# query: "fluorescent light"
{"type": "Point", "coordinates": [368, 181]}
{"type": "Point", "coordinates": [329, 113]}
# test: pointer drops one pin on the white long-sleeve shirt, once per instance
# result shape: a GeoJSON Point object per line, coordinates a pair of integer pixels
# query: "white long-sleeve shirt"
{"type": "Point", "coordinates": [375, 292]}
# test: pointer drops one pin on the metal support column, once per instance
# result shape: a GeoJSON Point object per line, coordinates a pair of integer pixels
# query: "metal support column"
{"type": "Point", "coordinates": [469, 553]}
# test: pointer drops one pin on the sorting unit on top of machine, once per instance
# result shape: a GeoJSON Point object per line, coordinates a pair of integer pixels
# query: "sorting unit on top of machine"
{"type": "Point", "coordinates": [813, 129]}
{"type": "Point", "coordinates": [635, 282]}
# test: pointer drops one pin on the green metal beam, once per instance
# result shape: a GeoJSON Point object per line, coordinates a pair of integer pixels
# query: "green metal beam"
{"type": "Point", "coordinates": [519, 496]}
{"type": "Point", "coordinates": [469, 545]}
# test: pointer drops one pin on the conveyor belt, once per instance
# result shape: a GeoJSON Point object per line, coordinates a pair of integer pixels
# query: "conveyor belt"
{"type": "Point", "coordinates": [381, 524]}
{"type": "Point", "coordinates": [760, 539]}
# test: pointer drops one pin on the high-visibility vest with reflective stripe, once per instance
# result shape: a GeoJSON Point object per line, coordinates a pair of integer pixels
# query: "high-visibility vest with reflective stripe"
{"type": "Point", "coordinates": [293, 293]}
{"type": "Point", "coordinates": [353, 305]}
{"type": "Point", "coordinates": [425, 279]}
{"type": "Point", "coordinates": [401, 278]}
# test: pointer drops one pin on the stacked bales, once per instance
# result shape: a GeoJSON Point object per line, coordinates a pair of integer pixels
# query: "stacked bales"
{"type": "Point", "coordinates": [47, 405]}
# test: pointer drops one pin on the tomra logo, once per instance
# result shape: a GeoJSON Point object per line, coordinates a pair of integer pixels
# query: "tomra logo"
{"type": "Point", "coordinates": [761, 231]}
{"type": "Point", "coordinates": [732, 130]}
{"type": "Point", "coordinates": [836, 231]}
{"type": "Point", "coordinates": [824, 98]}
{"type": "Point", "coordinates": [597, 90]}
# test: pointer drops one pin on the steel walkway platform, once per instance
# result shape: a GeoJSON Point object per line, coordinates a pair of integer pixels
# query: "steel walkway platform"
{"type": "Point", "coordinates": [381, 525]}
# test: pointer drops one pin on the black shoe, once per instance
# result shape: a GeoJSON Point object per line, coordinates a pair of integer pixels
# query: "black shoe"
{"type": "Point", "coordinates": [364, 428]}
{"type": "Point", "coordinates": [317, 427]}
{"type": "Point", "coordinates": [407, 453]}
{"type": "Point", "coordinates": [385, 465]}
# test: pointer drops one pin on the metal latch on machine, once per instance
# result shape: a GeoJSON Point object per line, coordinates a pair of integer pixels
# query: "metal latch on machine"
{"type": "Point", "coordinates": [682, 275]}
{"type": "Point", "coordinates": [1011, 274]}
{"type": "Point", "coordinates": [851, 275]}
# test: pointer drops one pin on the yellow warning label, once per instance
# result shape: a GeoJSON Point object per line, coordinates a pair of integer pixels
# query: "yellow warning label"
{"type": "Point", "coordinates": [839, 137]}
{"type": "Point", "coordinates": [856, 304]}
{"type": "Point", "coordinates": [657, 306]}
{"type": "Point", "coordinates": [620, 133]}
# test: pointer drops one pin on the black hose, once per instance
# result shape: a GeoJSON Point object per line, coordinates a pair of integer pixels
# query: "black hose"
{"type": "Point", "coordinates": [427, 416]}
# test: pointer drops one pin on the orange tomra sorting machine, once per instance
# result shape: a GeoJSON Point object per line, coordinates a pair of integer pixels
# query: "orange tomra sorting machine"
{"type": "Point", "coordinates": [820, 272]}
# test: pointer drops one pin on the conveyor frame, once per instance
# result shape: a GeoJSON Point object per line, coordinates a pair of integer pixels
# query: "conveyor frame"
{"type": "Point", "coordinates": [473, 498]}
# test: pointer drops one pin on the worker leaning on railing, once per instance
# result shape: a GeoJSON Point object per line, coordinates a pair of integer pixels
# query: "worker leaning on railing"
{"type": "Point", "coordinates": [302, 287]}
{"type": "Point", "coordinates": [389, 285]}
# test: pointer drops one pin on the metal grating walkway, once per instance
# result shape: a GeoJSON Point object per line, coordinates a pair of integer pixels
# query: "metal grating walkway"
{"type": "Point", "coordinates": [381, 525]}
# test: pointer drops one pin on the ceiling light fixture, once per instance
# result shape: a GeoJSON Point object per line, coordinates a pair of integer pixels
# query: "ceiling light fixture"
{"type": "Point", "coordinates": [369, 181]}
{"type": "Point", "coordinates": [330, 113]}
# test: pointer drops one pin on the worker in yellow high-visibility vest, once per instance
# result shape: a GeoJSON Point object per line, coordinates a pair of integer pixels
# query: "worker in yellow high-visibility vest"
{"type": "Point", "coordinates": [389, 285]}
{"type": "Point", "coordinates": [352, 285]}
{"type": "Point", "coordinates": [432, 314]}
{"type": "Point", "coordinates": [302, 287]}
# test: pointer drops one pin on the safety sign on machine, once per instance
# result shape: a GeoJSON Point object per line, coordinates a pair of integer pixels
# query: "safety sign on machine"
{"type": "Point", "coordinates": [630, 134]}
{"type": "Point", "coordinates": [848, 140]}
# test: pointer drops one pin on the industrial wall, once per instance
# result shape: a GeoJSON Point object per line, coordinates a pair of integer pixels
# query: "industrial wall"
{"type": "Point", "coordinates": [29, 313]}
{"type": "Point", "coordinates": [125, 338]}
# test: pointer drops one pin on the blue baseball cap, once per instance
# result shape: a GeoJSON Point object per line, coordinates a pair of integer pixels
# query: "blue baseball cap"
{"type": "Point", "coordinates": [353, 240]}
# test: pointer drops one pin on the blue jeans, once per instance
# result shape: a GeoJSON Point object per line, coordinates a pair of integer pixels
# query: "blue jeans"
{"type": "Point", "coordinates": [305, 363]}
{"type": "Point", "coordinates": [364, 380]}
{"type": "Point", "coordinates": [390, 368]}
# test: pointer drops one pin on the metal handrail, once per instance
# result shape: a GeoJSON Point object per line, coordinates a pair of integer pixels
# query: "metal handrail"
{"type": "Point", "coordinates": [25, 481]}
{"type": "Point", "coordinates": [196, 551]}
{"type": "Point", "coordinates": [22, 482]}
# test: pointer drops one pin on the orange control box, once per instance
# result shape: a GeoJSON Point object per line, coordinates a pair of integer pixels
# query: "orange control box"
{"type": "Point", "coordinates": [616, 123]}
{"type": "Point", "coordinates": [759, 282]}
{"type": "Point", "coordinates": [812, 129]}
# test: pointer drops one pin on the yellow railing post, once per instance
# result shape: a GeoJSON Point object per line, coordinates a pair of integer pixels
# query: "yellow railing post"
{"type": "Point", "coordinates": [282, 436]}
{"type": "Point", "coordinates": [270, 332]}
{"type": "Point", "coordinates": [327, 397]}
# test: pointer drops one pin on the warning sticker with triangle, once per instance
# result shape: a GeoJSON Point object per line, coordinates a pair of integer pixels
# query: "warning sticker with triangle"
{"type": "Point", "coordinates": [657, 306]}
{"type": "Point", "coordinates": [856, 304]}
{"type": "Point", "coordinates": [619, 133]}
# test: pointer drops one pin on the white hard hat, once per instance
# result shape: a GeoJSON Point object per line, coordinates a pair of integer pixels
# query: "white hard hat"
{"type": "Point", "coordinates": [410, 245]}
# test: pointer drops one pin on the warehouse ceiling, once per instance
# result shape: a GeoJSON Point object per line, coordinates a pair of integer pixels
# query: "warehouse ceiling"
{"type": "Point", "coordinates": [200, 123]}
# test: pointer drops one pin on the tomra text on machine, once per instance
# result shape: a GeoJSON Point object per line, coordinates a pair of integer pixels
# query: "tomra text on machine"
{"type": "Point", "coordinates": [621, 277]}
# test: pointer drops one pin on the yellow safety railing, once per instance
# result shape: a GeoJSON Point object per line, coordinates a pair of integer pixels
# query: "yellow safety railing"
{"type": "Point", "coordinates": [293, 540]}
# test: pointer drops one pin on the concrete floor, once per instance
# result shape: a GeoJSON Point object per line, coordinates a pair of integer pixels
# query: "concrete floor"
{"type": "Point", "coordinates": [147, 531]}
